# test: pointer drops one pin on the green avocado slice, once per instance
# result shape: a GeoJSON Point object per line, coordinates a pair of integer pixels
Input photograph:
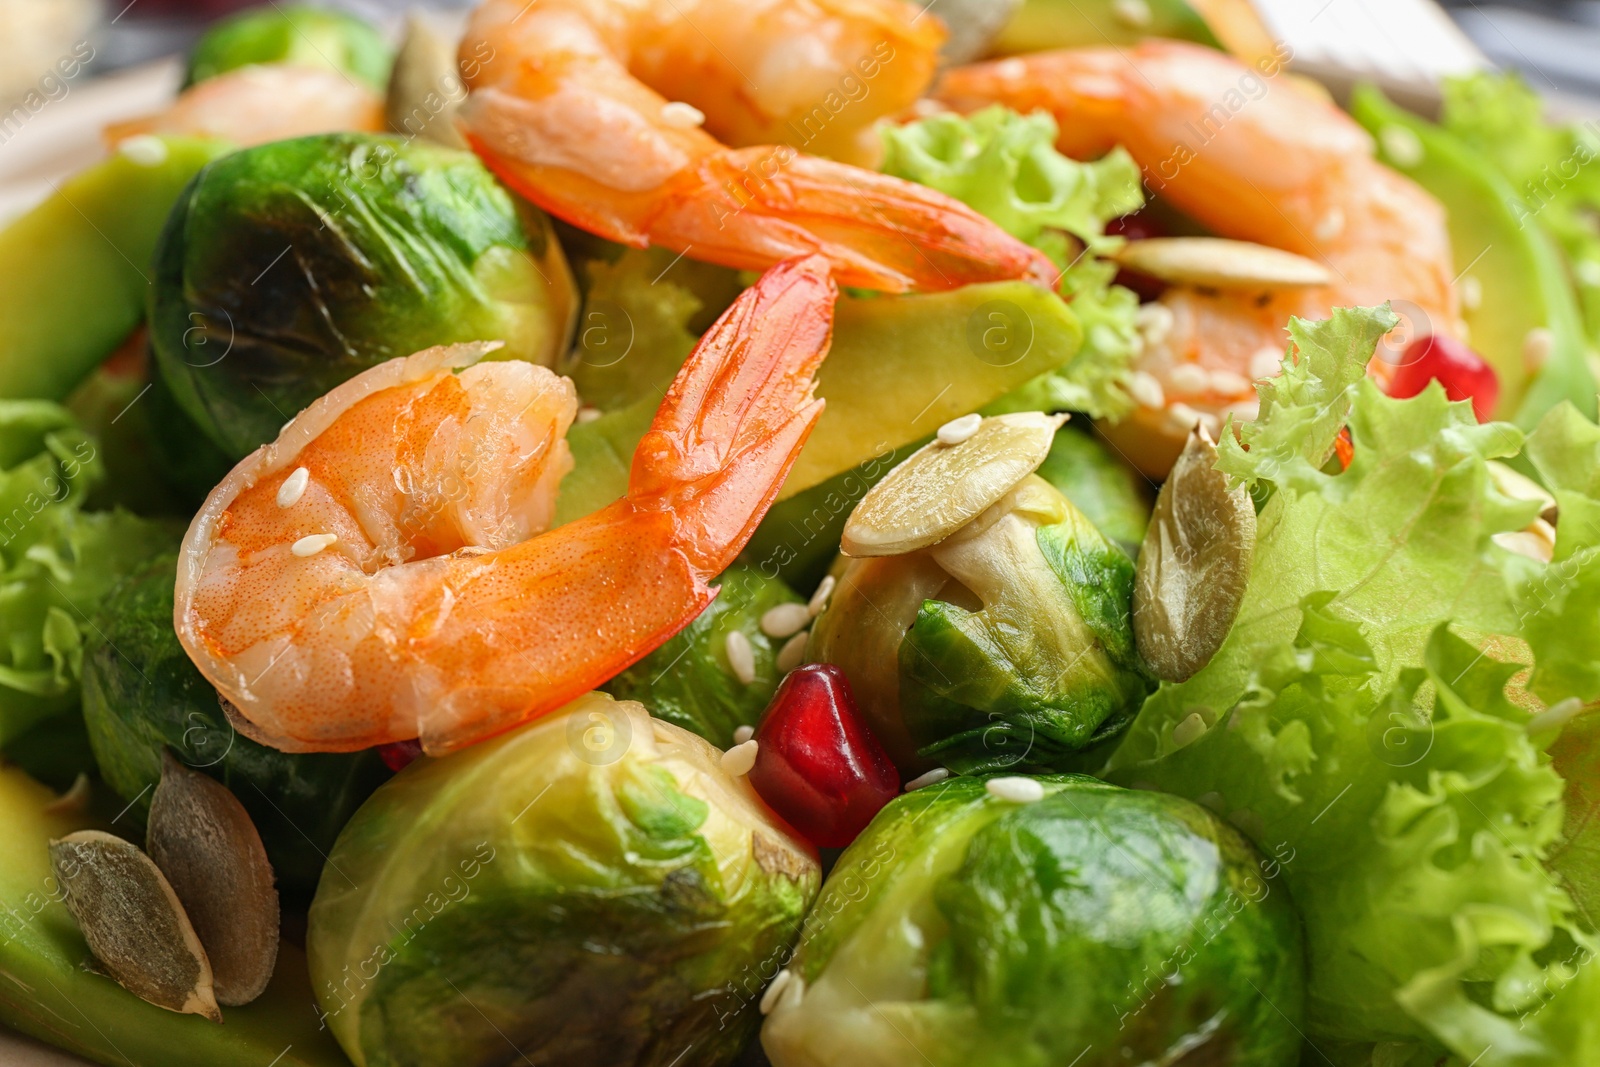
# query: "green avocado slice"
{"type": "Point", "coordinates": [76, 267]}
{"type": "Point", "coordinates": [1524, 283]}
{"type": "Point", "coordinates": [48, 990]}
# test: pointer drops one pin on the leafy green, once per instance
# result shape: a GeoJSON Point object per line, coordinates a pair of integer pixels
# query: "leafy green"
{"type": "Point", "coordinates": [1363, 715]}
{"type": "Point", "coordinates": [1552, 167]}
{"type": "Point", "coordinates": [57, 561]}
{"type": "Point", "coordinates": [298, 34]}
{"type": "Point", "coordinates": [687, 681]}
{"type": "Point", "coordinates": [1099, 927]}
{"type": "Point", "coordinates": [1005, 166]}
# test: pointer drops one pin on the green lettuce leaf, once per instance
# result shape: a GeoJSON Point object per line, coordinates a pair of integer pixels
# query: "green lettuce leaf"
{"type": "Point", "coordinates": [1005, 166]}
{"type": "Point", "coordinates": [1553, 168]}
{"type": "Point", "coordinates": [56, 560]}
{"type": "Point", "coordinates": [1367, 716]}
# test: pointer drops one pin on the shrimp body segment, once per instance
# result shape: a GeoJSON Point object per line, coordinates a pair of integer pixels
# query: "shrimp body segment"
{"type": "Point", "coordinates": [401, 587]}
{"type": "Point", "coordinates": [1254, 157]}
{"type": "Point", "coordinates": [618, 116]}
{"type": "Point", "coordinates": [260, 103]}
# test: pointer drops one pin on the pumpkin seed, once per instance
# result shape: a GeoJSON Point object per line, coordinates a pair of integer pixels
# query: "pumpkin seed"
{"type": "Point", "coordinates": [133, 922]}
{"type": "Point", "coordinates": [940, 488]}
{"type": "Point", "coordinates": [204, 842]}
{"type": "Point", "coordinates": [1193, 565]}
{"type": "Point", "coordinates": [1219, 263]}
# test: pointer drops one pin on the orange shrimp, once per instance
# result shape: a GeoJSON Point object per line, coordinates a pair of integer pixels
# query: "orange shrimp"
{"type": "Point", "coordinates": [378, 573]}
{"type": "Point", "coordinates": [261, 103]}
{"type": "Point", "coordinates": [1255, 158]}
{"type": "Point", "coordinates": [593, 110]}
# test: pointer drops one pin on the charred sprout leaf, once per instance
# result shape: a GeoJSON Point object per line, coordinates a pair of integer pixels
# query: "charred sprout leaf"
{"type": "Point", "coordinates": [204, 842]}
{"type": "Point", "coordinates": [943, 487]}
{"type": "Point", "coordinates": [287, 268]}
{"type": "Point", "coordinates": [591, 888]}
{"type": "Point", "coordinates": [1194, 565]}
{"type": "Point", "coordinates": [133, 922]}
{"type": "Point", "coordinates": [1098, 926]}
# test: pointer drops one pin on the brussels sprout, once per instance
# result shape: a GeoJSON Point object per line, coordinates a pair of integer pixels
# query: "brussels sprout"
{"type": "Point", "coordinates": [1006, 645]}
{"type": "Point", "coordinates": [287, 268]}
{"type": "Point", "coordinates": [1097, 927]}
{"type": "Point", "coordinates": [298, 34]}
{"type": "Point", "coordinates": [688, 681]}
{"type": "Point", "coordinates": [1109, 492]}
{"type": "Point", "coordinates": [588, 890]}
{"type": "Point", "coordinates": [141, 694]}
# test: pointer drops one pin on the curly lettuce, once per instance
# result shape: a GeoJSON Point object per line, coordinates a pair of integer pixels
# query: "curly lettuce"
{"type": "Point", "coordinates": [1554, 168]}
{"type": "Point", "coordinates": [56, 560]}
{"type": "Point", "coordinates": [1370, 716]}
{"type": "Point", "coordinates": [1005, 166]}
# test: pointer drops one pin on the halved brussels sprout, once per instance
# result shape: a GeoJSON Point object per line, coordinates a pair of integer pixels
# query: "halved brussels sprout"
{"type": "Point", "coordinates": [1109, 492]}
{"type": "Point", "coordinates": [1097, 927]}
{"type": "Point", "coordinates": [287, 268]}
{"type": "Point", "coordinates": [588, 890]}
{"type": "Point", "coordinates": [142, 694]}
{"type": "Point", "coordinates": [1008, 644]}
{"type": "Point", "coordinates": [298, 34]}
{"type": "Point", "coordinates": [688, 680]}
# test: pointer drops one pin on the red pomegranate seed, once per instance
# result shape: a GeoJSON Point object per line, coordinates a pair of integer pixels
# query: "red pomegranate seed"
{"type": "Point", "coordinates": [817, 764]}
{"type": "Point", "coordinates": [1344, 448]}
{"type": "Point", "coordinates": [1138, 227]}
{"type": "Point", "coordinates": [1463, 373]}
{"type": "Point", "coordinates": [398, 755]}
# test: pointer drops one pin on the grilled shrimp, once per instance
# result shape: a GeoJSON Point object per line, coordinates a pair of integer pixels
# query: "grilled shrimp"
{"type": "Point", "coordinates": [378, 573]}
{"type": "Point", "coordinates": [625, 118]}
{"type": "Point", "coordinates": [261, 103]}
{"type": "Point", "coordinates": [1254, 158]}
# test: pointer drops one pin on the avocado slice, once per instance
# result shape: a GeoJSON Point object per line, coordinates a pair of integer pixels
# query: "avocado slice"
{"type": "Point", "coordinates": [1040, 25]}
{"type": "Point", "coordinates": [900, 367]}
{"type": "Point", "coordinates": [1519, 268]}
{"type": "Point", "coordinates": [48, 990]}
{"type": "Point", "coordinates": [77, 265]}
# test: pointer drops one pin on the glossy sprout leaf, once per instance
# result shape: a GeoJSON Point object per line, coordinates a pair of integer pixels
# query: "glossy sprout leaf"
{"type": "Point", "coordinates": [1006, 167]}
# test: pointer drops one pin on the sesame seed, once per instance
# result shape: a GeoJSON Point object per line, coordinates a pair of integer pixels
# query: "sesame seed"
{"type": "Point", "coordinates": [743, 734]}
{"type": "Point", "coordinates": [1537, 344]}
{"type": "Point", "coordinates": [958, 430]}
{"type": "Point", "coordinates": [780, 982]}
{"type": "Point", "coordinates": [1401, 145]}
{"type": "Point", "coordinates": [588, 414]}
{"type": "Point", "coordinates": [1471, 293]}
{"type": "Point", "coordinates": [1189, 730]}
{"type": "Point", "coordinates": [1331, 226]}
{"type": "Point", "coordinates": [1556, 715]}
{"type": "Point", "coordinates": [1146, 390]}
{"type": "Point", "coordinates": [793, 994]}
{"type": "Point", "coordinates": [785, 619]}
{"type": "Point", "coordinates": [933, 777]}
{"type": "Point", "coordinates": [146, 150]}
{"type": "Point", "coordinates": [293, 487]}
{"type": "Point", "coordinates": [311, 544]}
{"type": "Point", "coordinates": [681, 116]}
{"type": "Point", "coordinates": [1154, 322]}
{"type": "Point", "coordinates": [1246, 410]}
{"type": "Point", "coordinates": [1588, 271]}
{"type": "Point", "coordinates": [1011, 69]}
{"type": "Point", "coordinates": [1188, 379]}
{"type": "Point", "coordinates": [741, 657]}
{"type": "Point", "coordinates": [1015, 789]}
{"type": "Point", "coordinates": [819, 599]}
{"type": "Point", "coordinates": [793, 652]}
{"type": "Point", "coordinates": [1229, 383]}
{"type": "Point", "coordinates": [1266, 363]}
{"type": "Point", "coordinates": [738, 760]}
{"type": "Point", "coordinates": [1182, 417]}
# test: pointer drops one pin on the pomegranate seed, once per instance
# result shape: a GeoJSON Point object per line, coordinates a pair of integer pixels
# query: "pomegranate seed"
{"type": "Point", "coordinates": [1137, 227]}
{"type": "Point", "coordinates": [817, 764]}
{"type": "Point", "coordinates": [1344, 448]}
{"type": "Point", "coordinates": [398, 755]}
{"type": "Point", "coordinates": [1463, 373]}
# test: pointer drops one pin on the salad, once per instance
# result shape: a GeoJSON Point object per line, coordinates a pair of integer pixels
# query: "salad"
{"type": "Point", "coordinates": [809, 535]}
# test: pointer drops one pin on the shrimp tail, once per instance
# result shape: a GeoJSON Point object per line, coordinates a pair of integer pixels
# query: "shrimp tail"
{"type": "Point", "coordinates": [738, 413]}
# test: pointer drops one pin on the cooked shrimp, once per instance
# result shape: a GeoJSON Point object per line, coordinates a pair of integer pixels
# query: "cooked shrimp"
{"type": "Point", "coordinates": [267, 102]}
{"type": "Point", "coordinates": [1253, 158]}
{"type": "Point", "coordinates": [378, 573]}
{"type": "Point", "coordinates": [593, 109]}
